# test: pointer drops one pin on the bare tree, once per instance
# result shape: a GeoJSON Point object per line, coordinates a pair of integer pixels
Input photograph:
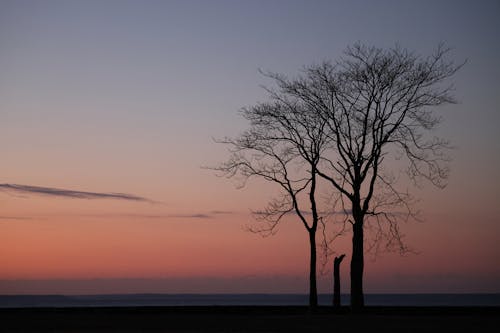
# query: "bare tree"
{"type": "Point", "coordinates": [284, 146]}
{"type": "Point", "coordinates": [377, 105]}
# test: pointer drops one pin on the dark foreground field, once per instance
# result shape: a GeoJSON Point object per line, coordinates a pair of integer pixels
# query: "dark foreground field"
{"type": "Point", "coordinates": [250, 319]}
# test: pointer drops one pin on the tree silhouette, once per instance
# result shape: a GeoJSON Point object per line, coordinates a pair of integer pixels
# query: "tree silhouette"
{"type": "Point", "coordinates": [347, 123]}
{"type": "Point", "coordinates": [377, 105]}
{"type": "Point", "coordinates": [283, 146]}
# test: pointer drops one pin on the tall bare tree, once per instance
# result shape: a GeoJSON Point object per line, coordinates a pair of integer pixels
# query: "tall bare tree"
{"type": "Point", "coordinates": [284, 146]}
{"type": "Point", "coordinates": [343, 122]}
{"type": "Point", "coordinates": [377, 105]}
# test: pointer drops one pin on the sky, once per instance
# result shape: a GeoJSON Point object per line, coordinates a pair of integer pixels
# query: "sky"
{"type": "Point", "coordinates": [108, 110]}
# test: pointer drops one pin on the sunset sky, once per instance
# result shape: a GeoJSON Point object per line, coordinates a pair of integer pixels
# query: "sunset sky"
{"type": "Point", "coordinates": [118, 102]}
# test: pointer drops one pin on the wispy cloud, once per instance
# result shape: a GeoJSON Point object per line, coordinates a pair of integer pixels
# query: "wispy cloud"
{"type": "Point", "coordinates": [192, 216]}
{"type": "Point", "coordinates": [57, 192]}
{"type": "Point", "coordinates": [15, 218]}
{"type": "Point", "coordinates": [210, 215]}
{"type": "Point", "coordinates": [221, 212]}
{"type": "Point", "coordinates": [200, 216]}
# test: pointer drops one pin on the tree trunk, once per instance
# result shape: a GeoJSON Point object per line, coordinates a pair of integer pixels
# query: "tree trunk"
{"type": "Point", "coordinates": [313, 292]}
{"type": "Point", "coordinates": [336, 280]}
{"type": "Point", "coordinates": [357, 266]}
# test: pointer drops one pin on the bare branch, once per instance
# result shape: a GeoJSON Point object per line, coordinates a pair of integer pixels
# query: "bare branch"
{"type": "Point", "coordinates": [339, 122]}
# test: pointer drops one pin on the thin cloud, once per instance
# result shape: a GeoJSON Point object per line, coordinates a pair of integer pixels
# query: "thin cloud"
{"type": "Point", "coordinates": [202, 216]}
{"type": "Point", "coordinates": [208, 215]}
{"type": "Point", "coordinates": [57, 192]}
{"type": "Point", "coordinates": [166, 216]}
{"type": "Point", "coordinates": [221, 212]}
{"type": "Point", "coordinates": [176, 216]}
{"type": "Point", "coordinates": [192, 216]}
{"type": "Point", "coordinates": [15, 218]}
{"type": "Point", "coordinates": [148, 216]}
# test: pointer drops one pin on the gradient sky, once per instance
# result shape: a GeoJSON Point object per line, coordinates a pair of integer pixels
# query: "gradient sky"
{"type": "Point", "coordinates": [126, 96]}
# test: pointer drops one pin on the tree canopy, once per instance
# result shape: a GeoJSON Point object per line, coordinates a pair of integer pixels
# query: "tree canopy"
{"type": "Point", "coordinates": [342, 122]}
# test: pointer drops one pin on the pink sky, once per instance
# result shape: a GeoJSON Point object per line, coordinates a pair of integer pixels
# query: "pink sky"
{"type": "Point", "coordinates": [125, 97]}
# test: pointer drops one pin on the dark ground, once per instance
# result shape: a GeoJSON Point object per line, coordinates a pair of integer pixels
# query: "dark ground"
{"type": "Point", "coordinates": [250, 319]}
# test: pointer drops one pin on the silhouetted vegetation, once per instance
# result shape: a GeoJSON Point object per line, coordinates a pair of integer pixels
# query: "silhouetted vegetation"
{"type": "Point", "coordinates": [283, 146]}
{"type": "Point", "coordinates": [347, 122]}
